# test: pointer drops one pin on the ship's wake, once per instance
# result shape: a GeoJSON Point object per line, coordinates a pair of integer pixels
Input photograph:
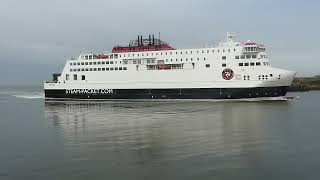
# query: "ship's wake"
{"type": "Point", "coordinates": [29, 96]}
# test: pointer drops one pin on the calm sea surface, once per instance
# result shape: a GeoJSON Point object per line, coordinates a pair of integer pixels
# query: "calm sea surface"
{"type": "Point", "coordinates": [158, 140]}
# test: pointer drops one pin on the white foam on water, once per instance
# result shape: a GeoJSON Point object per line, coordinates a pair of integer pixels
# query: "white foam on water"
{"type": "Point", "coordinates": [29, 96]}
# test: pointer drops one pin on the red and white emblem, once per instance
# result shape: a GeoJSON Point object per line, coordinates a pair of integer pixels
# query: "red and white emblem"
{"type": "Point", "coordinates": [227, 74]}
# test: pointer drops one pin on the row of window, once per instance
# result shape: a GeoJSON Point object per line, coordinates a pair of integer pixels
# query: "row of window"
{"type": "Point", "coordinates": [75, 77]}
{"type": "Point", "coordinates": [175, 52]}
{"type": "Point", "coordinates": [265, 77]}
{"type": "Point", "coordinates": [153, 61]}
{"type": "Point", "coordinates": [254, 64]}
{"type": "Point", "coordinates": [94, 63]}
{"type": "Point", "coordinates": [98, 56]}
{"type": "Point", "coordinates": [100, 69]}
{"type": "Point", "coordinates": [246, 57]}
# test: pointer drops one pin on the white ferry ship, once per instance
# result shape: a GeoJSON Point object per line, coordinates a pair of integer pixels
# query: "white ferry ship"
{"type": "Point", "coordinates": [151, 69]}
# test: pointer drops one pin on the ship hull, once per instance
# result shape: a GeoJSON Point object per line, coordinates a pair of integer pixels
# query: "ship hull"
{"type": "Point", "coordinates": [194, 93]}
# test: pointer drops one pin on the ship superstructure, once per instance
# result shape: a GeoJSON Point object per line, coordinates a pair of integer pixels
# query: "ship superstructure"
{"type": "Point", "coordinates": [151, 69]}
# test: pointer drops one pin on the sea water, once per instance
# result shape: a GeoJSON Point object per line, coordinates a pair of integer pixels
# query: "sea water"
{"type": "Point", "coordinates": [208, 139]}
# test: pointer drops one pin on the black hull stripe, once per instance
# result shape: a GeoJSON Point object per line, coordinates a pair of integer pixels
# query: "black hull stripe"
{"type": "Point", "coordinates": [201, 93]}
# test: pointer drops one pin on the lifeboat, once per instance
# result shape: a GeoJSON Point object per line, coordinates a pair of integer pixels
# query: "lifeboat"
{"type": "Point", "coordinates": [164, 66]}
{"type": "Point", "coordinates": [102, 56]}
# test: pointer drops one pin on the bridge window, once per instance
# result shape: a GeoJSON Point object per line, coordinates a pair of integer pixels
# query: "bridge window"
{"type": "Point", "coordinates": [246, 64]}
{"type": "Point", "coordinates": [75, 77]}
{"type": "Point", "coordinates": [124, 68]}
{"type": "Point", "coordinates": [252, 64]}
{"type": "Point", "coordinates": [224, 65]}
{"type": "Point", "coordinates": [207, 65]}
{"type": "Point", "coordinates": [258, 63]}
{"type": "Point", "coordinates": [248, 57]}
{"type": "Point", "coordinates": [240, 64]}
{"type": "Point", "coordinates": [86, 63]}
{"type": "Point", "coordinates": [237, 57]}
{"type": "Point", "coordinates": [83, 77]}
{"type": "Point", "coordinates": [254, 56]}
{"type": "Point", "coordinates": [224, 57]}
{"type": "Point", "coordinates": [243, 56]}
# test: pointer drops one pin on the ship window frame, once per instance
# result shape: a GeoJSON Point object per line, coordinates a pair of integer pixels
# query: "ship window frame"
{"type": "Point", "coordinates": [258, 63]}
{"type": "Point", "coordinates": [224, 65]}
{"type": "Point", "coordinates": [124, 68]}
{"type": "Point", "coordinates": [246, 64]}
{"type": "Point", "coordinates": [224, 57]}
{"type": "Point", "coordinates": [237, 57]}
{"type": "Point", "coordinates": [252, 63]}
{"type": "Point", "coordinates": [207, 65]}
{"type": "Point", "coordinates": [83, 77]}
{"type": "Point", "coordinates": [240, 64]}
{"type": "Point", "coordinates": [242, 57]}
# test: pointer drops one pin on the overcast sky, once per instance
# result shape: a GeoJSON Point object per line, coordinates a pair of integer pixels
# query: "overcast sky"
{"type": "Point", "coordinates": [38, 35]}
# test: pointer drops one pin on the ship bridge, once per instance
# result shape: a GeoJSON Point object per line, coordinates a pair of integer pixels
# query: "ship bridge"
{"type": "Point", "coordinates": [253, 48]}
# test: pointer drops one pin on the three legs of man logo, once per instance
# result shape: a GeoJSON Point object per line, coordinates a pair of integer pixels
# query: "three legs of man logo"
{"type": "Point", "coordinates": [227, 74]}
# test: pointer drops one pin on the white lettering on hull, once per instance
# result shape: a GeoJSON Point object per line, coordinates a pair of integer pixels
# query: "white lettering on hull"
{"type": "Point", "coordinates": [89, 91]}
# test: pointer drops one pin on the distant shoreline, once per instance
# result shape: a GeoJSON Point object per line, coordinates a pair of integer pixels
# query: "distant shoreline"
{"type": "Point", "coordinates": [305, 84]}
